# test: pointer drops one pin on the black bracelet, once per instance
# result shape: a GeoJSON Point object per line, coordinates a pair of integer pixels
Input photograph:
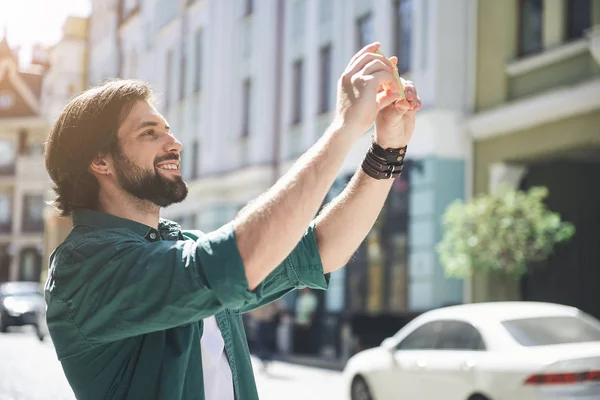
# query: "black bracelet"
{"type": "Point", "coordinates": [384, 164]}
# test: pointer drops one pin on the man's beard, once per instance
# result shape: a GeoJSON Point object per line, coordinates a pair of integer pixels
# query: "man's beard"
{"type": "Point", "coordinates": [149, 184]}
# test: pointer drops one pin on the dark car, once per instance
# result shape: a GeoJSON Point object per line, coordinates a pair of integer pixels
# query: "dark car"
{"type": "Point", "coordinates": [21, 304]}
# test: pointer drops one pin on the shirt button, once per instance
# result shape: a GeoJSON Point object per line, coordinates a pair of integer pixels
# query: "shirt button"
{"type": "Point", "coordinates": [153, 236]}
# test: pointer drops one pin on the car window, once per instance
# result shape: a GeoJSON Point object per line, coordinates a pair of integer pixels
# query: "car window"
{"type": "Point", "coordinates": [459, 335]}
{"type": "Point", "coordinates": [543, 331]}
{"type": "Point", "coordinates": [422, 338]}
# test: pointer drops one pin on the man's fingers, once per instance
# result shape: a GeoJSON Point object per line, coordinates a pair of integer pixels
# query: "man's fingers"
{"type": "Point", "coordinates": [370, 48]}
{"type": "Point", "coordinates": [365, 60]}
{"type": "Point", "coordinates": [386, 100]}
{"type": "Point", "coordinates": [385, 77]}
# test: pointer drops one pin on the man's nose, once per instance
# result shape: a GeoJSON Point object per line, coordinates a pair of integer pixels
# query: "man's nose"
{"type": "Point", "coordinates": [173, 145]}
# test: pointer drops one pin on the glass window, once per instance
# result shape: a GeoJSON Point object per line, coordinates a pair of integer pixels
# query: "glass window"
{"type": "Point", "coordinates": [5, 208]}
{"type": "Point", "coordinates": [248, 7]}
{"type": "Point", "coordinates": [403, 26]}
{"type": "Point", "coordinates": [530, 26]}
{"type": "Point", "coordinates": [182, 71]}
{"type": "Point", "coordinates": [579, 18]}
{"type": "Point", "coordinates": [168, 67]}
{"type": "Point", "coordinates": [198, 60]}
{"type": "Point", "coordinates": [422, 338]}
{"type": "Point", "coordinates": [297, 92]}
{"type": "Point", "coordinates": [365, 31]}
{"type": "Point", "coordinates": [325, 87]}
{"type": "Point", "coordinates": [246, 98]}
{"type": "Point", "coordinates": [458, 335]}
{"type": "Point", "coordinates": [543, 331]}
{"type": "Point", "coordinates": [7, 153]}
{"type": "Point", "coordinates": [33, 208]}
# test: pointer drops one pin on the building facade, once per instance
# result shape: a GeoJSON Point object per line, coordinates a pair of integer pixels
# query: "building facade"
{"type": "Point", "coordinates": [22, 175]}
{"type": "Point", "coordinates": [247, 86]}
{"type": "Point", "coordinates": [66, 77]}
{"type": "Point", "coordinates": [536, 118]}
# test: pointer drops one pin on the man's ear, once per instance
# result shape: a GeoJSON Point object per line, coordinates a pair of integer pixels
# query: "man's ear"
{"type": "Point", "coordinates": [100, 165]}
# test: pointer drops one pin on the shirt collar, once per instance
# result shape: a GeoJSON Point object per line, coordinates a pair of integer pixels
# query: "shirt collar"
{"type": "Point", "coordinates": [100, 220]}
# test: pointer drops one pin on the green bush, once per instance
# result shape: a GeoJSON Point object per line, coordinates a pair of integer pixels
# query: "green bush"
{"type": "Point", "coordinates": [503, 232]}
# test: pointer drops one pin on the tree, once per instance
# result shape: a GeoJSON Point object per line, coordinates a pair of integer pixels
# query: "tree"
{"type": "Point", "coordinates": [501, 232]}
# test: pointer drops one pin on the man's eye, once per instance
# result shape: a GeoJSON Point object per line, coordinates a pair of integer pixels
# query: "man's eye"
{"type": "Point", "coordinates": [148, 133]}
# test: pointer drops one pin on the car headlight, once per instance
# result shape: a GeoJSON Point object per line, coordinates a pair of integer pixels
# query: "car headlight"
{"type": "Point", "coordinates": [15, 307]}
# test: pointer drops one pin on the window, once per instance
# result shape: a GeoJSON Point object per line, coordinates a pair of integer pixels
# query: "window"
{"type": "Point", "coordinates": [297, 92]}
{"type": "Point", "coordinates": [422, 338]}
{"type": "Point", "coordinates": [195, 155]}
{"type": "Point", "coordinates": [403, 29]}
{"type": "Point", "coordinates": [325, 72]}
{"type": "Point", "coordinates": [579, 15]}
{"type": "Point", "coordinates": [7, 157]}
{"type": "Point", "coordinates": [458, 335]}
{"type": "Point", "coordinates": [23, 141]}
{"type": "Point", "coordinates": [5, 213]}
{"type": "Point", "coordinates": [30, 265]}
{"type": "Point", "coordinates": [365, 33]}
{"type": "Point", "coordinates": [246, 98]}
{"type": "Point", "coordinates": [248, 7]}
{"type": "Point", "coordinates": [168, 79]}
{"type": "Point", "coordinates": [33, 206]}
{"type": "Point", "coordinates": [530, 26]}
{"type": "Point", "coordinates": [198, 61]}
{"type": "Point", "coordinates": [182, 69]}
{"type": "Point", "coordinates": [545, 331]}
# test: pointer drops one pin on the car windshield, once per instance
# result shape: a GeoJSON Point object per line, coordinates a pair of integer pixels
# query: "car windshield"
{"type": "Point", "coordinates": [543, 331]}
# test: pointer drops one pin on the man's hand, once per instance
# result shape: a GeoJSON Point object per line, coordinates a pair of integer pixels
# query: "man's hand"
{"type": "Point", "coordinates": [359, 96]}
{"type": "Point", "coordinates": [394, 124]}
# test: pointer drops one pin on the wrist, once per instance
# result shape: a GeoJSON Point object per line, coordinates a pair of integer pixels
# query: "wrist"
{"type": "Point", "coordinates": [389, 144]}
{"type": "Point", "coordinates": [380, 163]}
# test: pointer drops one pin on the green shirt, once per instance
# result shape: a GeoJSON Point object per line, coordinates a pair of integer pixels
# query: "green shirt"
{"type": "Point", "coordinates": [126, 304]}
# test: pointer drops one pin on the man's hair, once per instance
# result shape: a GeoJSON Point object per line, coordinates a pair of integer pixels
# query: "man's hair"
{"type": "Point", "coordinates": [86, 128]}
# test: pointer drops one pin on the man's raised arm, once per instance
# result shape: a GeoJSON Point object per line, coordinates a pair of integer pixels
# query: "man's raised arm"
{"type": "Point", "coordinates": [269, 228]}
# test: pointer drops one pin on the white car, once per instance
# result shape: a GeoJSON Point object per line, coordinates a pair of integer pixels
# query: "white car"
{"type": "Point", "coordinates": [484, 351]}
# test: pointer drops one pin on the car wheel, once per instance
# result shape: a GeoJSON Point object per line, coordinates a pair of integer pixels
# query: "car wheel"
{"type": "Point", "coordinates": [478, 397]}
{"type": "Point", "coordinates": [360, 389]}
{"type": "Point", "coordinates": [3, 326]}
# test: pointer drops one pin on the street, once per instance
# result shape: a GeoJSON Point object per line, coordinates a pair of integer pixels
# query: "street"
{"type": "Point", "coordinates": [29, 370]}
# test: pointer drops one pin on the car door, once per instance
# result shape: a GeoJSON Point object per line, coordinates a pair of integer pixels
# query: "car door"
{"type": "Point", "coordinates": [449, 372]}
{"type": "Point", "coordinates": [403, 379]}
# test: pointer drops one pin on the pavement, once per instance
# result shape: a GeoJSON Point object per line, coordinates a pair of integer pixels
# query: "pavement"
{"type": "Point", "coordinates": [29, 370]}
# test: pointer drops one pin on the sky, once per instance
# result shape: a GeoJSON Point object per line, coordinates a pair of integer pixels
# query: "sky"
{"type": "Point", "coordinates": [37, 21]}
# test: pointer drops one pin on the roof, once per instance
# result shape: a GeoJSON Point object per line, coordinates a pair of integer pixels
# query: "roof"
{"type": "Point", "coordinates": [5, 50]}
{"type": "Point", "coordinates": [34, 81]}
{"type": "Point", "coordinates": [502, 310]}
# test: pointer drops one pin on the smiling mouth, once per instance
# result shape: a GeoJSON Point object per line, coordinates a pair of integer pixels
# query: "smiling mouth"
{"type": "Point", "coordinates": [170, 166]}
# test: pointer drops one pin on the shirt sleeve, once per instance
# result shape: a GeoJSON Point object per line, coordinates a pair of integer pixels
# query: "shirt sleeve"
{"type": "Point", "coordinates": [302, 268]}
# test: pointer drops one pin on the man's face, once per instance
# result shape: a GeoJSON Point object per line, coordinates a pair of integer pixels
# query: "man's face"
{"type": "Point", "coordinates": [147, 161]}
